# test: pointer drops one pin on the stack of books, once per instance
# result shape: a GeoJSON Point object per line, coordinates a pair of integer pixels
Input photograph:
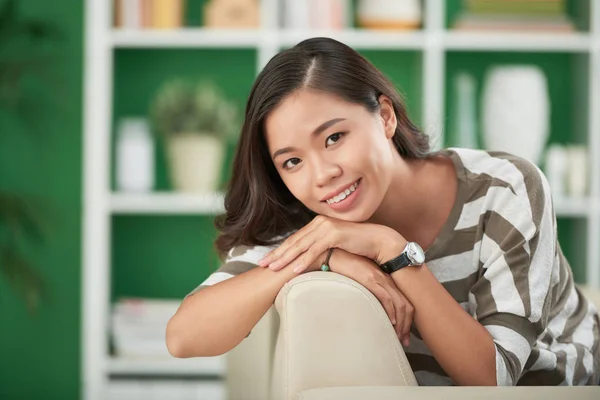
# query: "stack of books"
{"type": "Point", "coordinates": [515, 15]}
{"type": "Point", "coordinates": [144, 389]}
{"type": "Point", "coordinates": [139, 326]}
{"type": "Point", "coordinates": [148, 14]}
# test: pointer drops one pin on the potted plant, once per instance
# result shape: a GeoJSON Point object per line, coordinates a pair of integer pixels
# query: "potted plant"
{"type": "Point", "coordinates": [197, 122]}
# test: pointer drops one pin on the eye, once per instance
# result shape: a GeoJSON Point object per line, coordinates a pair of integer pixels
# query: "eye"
{"type": "Point", "coordinates": [335, 138]}
{"type": "Point", "coordinates": [286, 162]}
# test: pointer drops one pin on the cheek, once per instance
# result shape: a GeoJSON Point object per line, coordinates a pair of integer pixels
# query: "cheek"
{"type": "Point", "coordinates": [296, 186]}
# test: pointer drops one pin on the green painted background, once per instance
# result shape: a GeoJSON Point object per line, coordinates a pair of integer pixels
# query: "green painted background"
{"type": "Point", "coordinates": [39, 356]}
{"type": "Point", "coordinates": [162, 256]}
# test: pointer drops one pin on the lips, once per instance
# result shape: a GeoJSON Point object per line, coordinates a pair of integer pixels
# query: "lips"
{"type": "Point", "coordinates": [338, 192]}
{"type": "Point", "coordinates": [347, 202]}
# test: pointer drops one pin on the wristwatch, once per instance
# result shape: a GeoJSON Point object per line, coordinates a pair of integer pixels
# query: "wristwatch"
{"type": "Point", "coordinates": [411, 255]}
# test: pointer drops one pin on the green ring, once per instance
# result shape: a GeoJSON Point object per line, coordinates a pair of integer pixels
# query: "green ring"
{"type": "Point", "coordinates": [325, 267]}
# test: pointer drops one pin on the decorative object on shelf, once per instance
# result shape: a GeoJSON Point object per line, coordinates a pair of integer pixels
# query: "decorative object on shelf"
{"type": "Point", "coordinates": [566, 168]}
{"type": "Point", "coordinates": [148, 14]}
{"type": "Point", "coordinates": [385, 14]}
{"type": "Point", "coordinates": [522, 15]}
{"type": "Point", "coordinates": [138, 326]}
{"type": "Point", "coordinates": [132, 388]}
{"type": "Point", "coordinates": [465, 119]}
{"type": "Point", "coordinates": [316, 14]}
{"type": "Point", "coordinates": [577, 178]}
{"type": "Point", "coordinates": [197, 122]}
{"type": "Point", "coordinates": [516, 110]}
{"type": "Point", "coordinates": [555, 169]}
{"type": "Point", "coordinates": [232, 14]}
{"type": "Point", "coordinates": [167, 14]}
{"type": "Point", "coordinates": [134, 156]}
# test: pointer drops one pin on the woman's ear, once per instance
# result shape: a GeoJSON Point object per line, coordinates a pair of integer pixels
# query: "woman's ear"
{"type": "Point", "coordinates": [388, 116]}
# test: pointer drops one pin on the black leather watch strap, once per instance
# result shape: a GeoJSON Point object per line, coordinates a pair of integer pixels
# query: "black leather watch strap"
{"type": "Point", "coordinates": [396, 263]}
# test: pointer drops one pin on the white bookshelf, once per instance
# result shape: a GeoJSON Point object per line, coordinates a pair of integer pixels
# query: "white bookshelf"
{"type": "Point", "coordinates": [434, 42]}
{"type": "Point", "coordinates": [166, 203]}
{"type": "Point", "coordinates": [209, 366]}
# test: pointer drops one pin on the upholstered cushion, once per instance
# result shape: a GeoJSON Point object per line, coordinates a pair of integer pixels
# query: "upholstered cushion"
{"type": "Point", "coordinates": [450, 393]}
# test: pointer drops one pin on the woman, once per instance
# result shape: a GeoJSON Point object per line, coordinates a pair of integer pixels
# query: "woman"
{"type": "Point", "coordinates": [328, 159]}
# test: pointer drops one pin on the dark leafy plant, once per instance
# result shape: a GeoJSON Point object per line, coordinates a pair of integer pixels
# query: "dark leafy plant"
{"type": "Point", "coordinates": [21, 221]}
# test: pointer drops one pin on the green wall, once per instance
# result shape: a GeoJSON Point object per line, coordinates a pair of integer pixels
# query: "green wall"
{"type": "Point", "coordinates": [39, 355]}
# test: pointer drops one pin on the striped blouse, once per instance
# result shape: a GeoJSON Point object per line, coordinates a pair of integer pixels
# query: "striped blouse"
{"type": "Point", "coordinates": [498, 256]}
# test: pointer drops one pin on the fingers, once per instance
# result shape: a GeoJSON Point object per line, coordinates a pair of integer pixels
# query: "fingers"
{"type": "Point", "coordinates": [400, 307]}
{"type": "Point", "coordinates": [386, 301]}
{"type": "Point", "coordinates": [409, 312]}
{"type": "Point", "coordinates": [404, 312]}
{"type": "Point", "coordinates": [292, 253]}
{"type": "Point", "coordinates": [290, 243]}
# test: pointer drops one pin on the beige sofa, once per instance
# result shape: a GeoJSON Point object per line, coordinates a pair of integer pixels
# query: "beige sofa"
{"type": "Point", "coordinates": [328, 338]}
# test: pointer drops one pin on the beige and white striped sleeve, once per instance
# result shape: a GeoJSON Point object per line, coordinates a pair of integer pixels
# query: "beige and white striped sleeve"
{"type": "Point", "coordinates": [518, 245]}
{"type": "Point", "coordinates": [240, 259]}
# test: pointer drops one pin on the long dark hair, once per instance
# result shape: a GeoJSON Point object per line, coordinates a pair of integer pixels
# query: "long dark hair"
{"type": "Point", "coordinates": [258, 205]}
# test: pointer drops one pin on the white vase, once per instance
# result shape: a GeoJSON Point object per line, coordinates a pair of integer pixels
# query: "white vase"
{"type": "Point", "coordinates": [134, 156]}
{"type": "Point", "coordinates": [465, 129]}
{"type": "Point", "coordinates": [516, 111]}
{"type": "Point", "coordinates": [195, 162]}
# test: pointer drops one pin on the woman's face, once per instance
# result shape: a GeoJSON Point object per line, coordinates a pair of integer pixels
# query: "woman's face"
{"type": "Point", "coordinates": [335, 157]}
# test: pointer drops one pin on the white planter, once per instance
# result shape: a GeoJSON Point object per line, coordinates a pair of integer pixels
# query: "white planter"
{"type": "Point", "coordinates": [195, 162]}
{"type": "Point", "coordinates": [516, 111]}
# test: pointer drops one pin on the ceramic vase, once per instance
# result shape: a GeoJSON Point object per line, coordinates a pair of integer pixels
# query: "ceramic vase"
{"type": "Point", "coordinates": [516, 111]}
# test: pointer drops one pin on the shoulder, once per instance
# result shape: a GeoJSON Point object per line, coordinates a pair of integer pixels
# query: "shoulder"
{"type": "Point", "coordinates": [512, 192]}
{"type": "Point", "coordinates": [524, 179]}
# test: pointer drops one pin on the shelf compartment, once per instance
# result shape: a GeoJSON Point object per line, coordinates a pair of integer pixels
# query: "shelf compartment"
{"type": "Point", "coordinates": [139, 74]}
{"type": "Point", "coordinates": [161, 257]}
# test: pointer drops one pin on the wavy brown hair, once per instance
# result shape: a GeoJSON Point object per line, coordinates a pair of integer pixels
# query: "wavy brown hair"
{"type": "Point", "coordinates": [258, 205]}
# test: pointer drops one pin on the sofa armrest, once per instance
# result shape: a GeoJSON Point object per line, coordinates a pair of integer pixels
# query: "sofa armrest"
{"type": "Point", "coordinates": [249, 364]}
{"type": "Point", "coordinates": [334, 332]}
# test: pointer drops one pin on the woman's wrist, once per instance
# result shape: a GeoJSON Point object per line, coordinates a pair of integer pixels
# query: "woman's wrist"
{"type": "Point", "coordinates": [389, 245]}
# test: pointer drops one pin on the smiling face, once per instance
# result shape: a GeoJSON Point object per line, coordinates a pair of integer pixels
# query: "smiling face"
{"type": "Point", "coordinates": [336, 157]}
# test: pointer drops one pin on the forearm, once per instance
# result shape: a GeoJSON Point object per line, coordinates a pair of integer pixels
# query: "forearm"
{"type": "Point", "coordinates": [217, 318]}
{"type": "Point", "coordinates": [460, 344]}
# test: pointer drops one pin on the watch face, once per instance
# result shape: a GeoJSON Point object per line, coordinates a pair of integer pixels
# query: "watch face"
{"type": "Point", "coordinates": [415, 253]}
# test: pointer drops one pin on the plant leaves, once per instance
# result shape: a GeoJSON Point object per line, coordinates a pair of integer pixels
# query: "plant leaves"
{"type": "Point", "coordinates": [22, 217]}
{"type": "Point", "coordinates": [22, 278]}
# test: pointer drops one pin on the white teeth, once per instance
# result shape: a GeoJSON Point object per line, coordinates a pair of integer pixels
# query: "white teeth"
{"type": "Point", "coordinates": [343, 195]}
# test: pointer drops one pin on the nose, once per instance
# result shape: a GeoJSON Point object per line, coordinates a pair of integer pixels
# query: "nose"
{"type": "Point", "coordinates": [325, 171]}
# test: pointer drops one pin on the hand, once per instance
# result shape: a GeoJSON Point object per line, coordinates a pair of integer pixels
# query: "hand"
{"type": "Point", "coordinates": [367, 273]}
{"type": "Point", "coordinates": [303, 247]}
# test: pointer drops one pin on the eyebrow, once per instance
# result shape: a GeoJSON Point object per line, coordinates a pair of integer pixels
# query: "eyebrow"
{"type": "Point", "coordinates": [315, 133]}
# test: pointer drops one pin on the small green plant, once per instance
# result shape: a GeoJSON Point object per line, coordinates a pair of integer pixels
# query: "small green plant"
{"type": "Point", "coordinates": [181, 107]}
